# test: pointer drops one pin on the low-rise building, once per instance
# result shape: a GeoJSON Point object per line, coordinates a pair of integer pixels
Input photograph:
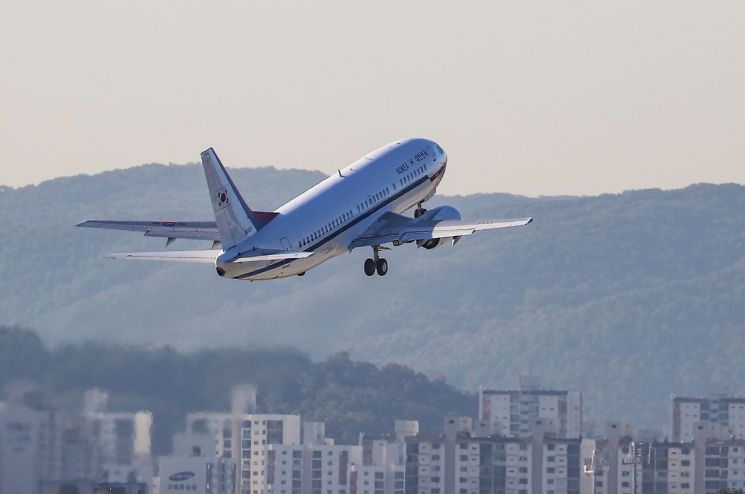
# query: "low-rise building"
{"type": "Point", "coordinates": [194, 467]}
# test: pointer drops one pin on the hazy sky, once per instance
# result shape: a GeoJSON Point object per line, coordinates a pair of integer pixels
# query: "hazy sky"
{"type": "Point", "coordinates": [527, 97]}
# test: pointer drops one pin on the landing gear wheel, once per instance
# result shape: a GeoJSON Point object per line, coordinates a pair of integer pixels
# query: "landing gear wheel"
{"type": "Point", "coordinates": [382, 267]}
{"type": "Point", "coordinates": [419, 211]}
{"type": "Point", "coordinates": [369, 267]}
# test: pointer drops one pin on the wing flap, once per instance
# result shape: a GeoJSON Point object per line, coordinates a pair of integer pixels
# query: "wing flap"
{"type": "Point", "coordinates": [200, 256]}
{"type": "Point", "coordinates": [192, 230]}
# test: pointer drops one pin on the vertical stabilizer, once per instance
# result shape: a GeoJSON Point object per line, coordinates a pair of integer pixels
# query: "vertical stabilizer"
{"type": "Point", "coordinates": [234, 218]}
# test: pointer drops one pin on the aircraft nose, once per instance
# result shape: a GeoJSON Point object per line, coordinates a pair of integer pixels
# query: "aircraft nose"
{"type": "Point", "coordinates": [442, 156]}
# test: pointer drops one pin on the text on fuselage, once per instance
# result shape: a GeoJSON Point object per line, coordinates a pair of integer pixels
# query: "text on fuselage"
{"type": "Point", "coordinates": [420, 156]}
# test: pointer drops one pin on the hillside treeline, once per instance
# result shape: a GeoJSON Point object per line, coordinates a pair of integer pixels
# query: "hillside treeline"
{"type": "Point", "coordinates": [350, 396]}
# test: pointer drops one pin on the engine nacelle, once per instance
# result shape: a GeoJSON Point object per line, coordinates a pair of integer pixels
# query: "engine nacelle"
{"type": "Point", "coordinates": [439, 214]}
{"type": "Point", "coordinates": [431, 243]}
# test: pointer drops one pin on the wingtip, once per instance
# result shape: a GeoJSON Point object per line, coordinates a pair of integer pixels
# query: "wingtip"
{"type": "Point", "coordinates": [530, 220]}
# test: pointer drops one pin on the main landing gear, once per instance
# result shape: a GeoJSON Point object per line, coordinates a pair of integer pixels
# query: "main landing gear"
{"type": "Point", "coordinates": [419, 210]}
{"type": "Point", "coordinates": [376, 264]}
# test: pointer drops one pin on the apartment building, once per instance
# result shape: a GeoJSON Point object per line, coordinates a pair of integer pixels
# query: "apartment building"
{"type": "Point", "coordinates": [463, 462]}
{"type": "Point", "coordinates": [614, 463]}
{"type": "Point", "coordinates": [246, 437]}
{"type": "Point", "coordinates": [56, 447]}
{"type": "Point", "coordinates": [668, 467]}
{"type": "Point", "coordinates": [512, 413]}
{"type": "Point", "coordinates": [686, 412]}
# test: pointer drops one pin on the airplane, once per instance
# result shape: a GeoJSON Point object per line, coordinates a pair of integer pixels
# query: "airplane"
{"type": "Point", "coordinates": [360, 206]}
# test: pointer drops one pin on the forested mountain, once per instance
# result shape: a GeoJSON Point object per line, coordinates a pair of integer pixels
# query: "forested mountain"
{"type": "Point", "coordinates": [628, 297]}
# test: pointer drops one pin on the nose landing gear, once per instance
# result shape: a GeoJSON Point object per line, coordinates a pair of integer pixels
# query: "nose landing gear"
{"type": "Point", "coordinates": [376, 263]}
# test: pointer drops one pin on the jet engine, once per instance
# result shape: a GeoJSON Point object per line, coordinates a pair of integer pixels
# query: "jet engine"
{"type": "Point", "coordinates": [439, 214]}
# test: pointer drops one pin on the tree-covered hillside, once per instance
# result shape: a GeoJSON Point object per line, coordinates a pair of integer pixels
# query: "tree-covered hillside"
{"type": "Point", "coordinates": [351, 397]}
{"type": "Point", "coordinates": [628, 297]}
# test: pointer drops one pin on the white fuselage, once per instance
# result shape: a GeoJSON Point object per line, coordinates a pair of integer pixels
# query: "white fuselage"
{"type": "Point", "coordinates": [326, 218]}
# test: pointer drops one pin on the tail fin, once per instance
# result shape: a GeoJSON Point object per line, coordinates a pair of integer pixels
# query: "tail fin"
{"type": "Point", "coordinates": [235, 220]}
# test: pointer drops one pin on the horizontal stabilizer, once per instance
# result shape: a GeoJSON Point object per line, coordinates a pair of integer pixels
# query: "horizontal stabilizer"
{"type": "Point", "coordinates": [193, 230]}
{"type": "Point", "coordinates": [204, 256]}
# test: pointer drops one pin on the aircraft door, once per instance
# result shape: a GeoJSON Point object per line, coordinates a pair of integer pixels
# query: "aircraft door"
{"type": "Point", "coordinates": [285, 243]}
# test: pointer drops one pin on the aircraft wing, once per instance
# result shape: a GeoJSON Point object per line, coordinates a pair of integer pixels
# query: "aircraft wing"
{"type": "Point", "coordinates": [396, 228]}
{"type": "Point", "coordinates": [193, 230]}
